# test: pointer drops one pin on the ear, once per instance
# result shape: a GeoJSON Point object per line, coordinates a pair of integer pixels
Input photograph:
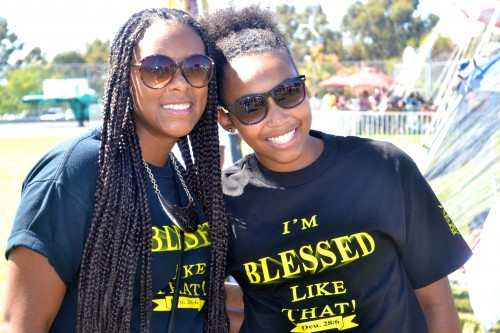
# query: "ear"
{"type": "Point", "coordinates": [224, 119]}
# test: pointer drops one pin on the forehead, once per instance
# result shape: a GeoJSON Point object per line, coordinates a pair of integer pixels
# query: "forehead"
{"type": "Point", "coordinates": [251, 74]}
{"type": "Point", "coordinates": [169, 38]}
{"type": "Point", "coordinates": [249, 67]}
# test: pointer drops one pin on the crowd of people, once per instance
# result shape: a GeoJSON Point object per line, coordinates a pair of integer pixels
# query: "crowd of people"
{"type": "Point", "coordinates": [115, 233]}
{"type": "Point", "coordinates": [375, 100]}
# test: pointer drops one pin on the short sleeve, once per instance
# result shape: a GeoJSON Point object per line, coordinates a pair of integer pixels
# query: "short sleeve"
{"type": "Point", "coordinates": [434, 246]}
{"type": "Point", "coordinates": [52, 222]}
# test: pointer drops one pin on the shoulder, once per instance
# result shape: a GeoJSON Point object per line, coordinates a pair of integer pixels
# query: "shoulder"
{"type": "Point", "coordinates": [370, 149]}
{"type": "Point", "coordinates": [369, 153]}
{"type": "Point", "coordinates": [74, 160]}
{"type": "Point", "coordinates": [358, 145]}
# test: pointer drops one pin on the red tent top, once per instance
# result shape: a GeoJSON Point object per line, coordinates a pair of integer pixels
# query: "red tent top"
{"type": "Point", "coordinates": [367, 77]}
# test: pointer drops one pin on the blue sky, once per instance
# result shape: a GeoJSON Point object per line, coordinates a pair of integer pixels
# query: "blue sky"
{"type": "Point", "coordinates": [63, 25]}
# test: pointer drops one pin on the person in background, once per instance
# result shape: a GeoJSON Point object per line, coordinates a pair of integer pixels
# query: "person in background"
{"type": "Point", "coordinates": [366, 101]}
{"type": "Point", "coordinates": [383, 100]}
{"type": "Point", "coordinates": [314, 100]}
{"type": "Point", "coordinates": [109, 235]}
{"type": "Point", "coordinates": [342, 103]}
{"type": "Point", "coordinates": [327, 233]}
{"type": "Point", "coordinates": [329, 101]}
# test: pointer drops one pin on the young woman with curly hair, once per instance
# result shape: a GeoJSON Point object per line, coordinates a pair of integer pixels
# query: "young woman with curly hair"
{"type": "Point", "coordinates": [327, 233]}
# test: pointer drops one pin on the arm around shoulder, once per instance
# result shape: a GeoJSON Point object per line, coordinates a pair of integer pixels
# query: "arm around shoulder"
{"type": "Point", "coordinates": [34, 292]}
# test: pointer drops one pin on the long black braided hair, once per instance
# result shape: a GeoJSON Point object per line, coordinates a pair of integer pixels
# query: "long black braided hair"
{"type": "Point", "coordinates": [119, 242]}
{"type": "Point", "coordinates": [246, 31]}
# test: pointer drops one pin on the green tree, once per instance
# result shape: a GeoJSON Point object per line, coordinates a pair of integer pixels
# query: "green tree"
{"type": "Point", "coordinates": [381, 29]}
{"type": "Point", "coordinates": [9, 43]}
{"type": "Point", "coordinates": [21, 82]}
{"type": "Point", "coordinates": [314, 45]}
{"type": "Point", "coordinates": [442, 49]}
{"type": "Point", "coordinates": [308, 30]}
{"type": "Point", "coordinates": [69, 57]}
{"type": "Point", "coordinates": [97, 58]}
{"type": "Point", "coordinates": [70, 64]}
{"type": "Point", "coordinates": [35, 56]}
{"type": "Point", "coordinates": [97, 52]}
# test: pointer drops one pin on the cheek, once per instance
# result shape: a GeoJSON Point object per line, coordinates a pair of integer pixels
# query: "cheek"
{"type": "Point", "coordinates": [249, 133]}
{"type": "Point", "coordinates": [202, 97]}
{"type": "Point", "coordinates": [307, 111]}
{"type": "Point", "coordinates": [302, 111]}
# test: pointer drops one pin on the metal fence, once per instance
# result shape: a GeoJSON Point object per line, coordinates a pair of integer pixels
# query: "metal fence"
{"type": "Point", "coordinates": [407, 130]}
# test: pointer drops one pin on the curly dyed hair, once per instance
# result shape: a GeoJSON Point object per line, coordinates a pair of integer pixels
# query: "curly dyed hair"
{"type": "Point", "coordinates": [119, 240]}
{"type": "Point", "coordinates": [247, 31]}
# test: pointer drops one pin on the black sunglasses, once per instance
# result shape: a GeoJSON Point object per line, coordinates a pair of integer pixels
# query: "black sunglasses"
{"type": "Point", "coordinates": [252, 109]}
{"type": "Point", "coordinates": [158, 70]}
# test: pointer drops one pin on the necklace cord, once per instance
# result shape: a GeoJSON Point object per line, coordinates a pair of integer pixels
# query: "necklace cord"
{"type": "Point", "coordinates": [185, 218]}
{"type": "Point", "coordinates": [179, 174]}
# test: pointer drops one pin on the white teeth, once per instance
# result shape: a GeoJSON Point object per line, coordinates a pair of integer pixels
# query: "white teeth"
{"type": "Point", "coordinates": [176, 106]}
{"type": "Point", "coordinates": [282, 138]}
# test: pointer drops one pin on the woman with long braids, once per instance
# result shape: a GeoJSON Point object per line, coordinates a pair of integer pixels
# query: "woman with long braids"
{"type": "Point", "coordinates": [343, 233]}
{"type": "Point", "coordinates": [113, 233]}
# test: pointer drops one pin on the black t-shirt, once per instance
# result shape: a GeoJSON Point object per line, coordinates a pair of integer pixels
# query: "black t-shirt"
{"type": "Point", "coordinates": [54, 219]}
{"type": "Point", "coordinates": [340, 244]}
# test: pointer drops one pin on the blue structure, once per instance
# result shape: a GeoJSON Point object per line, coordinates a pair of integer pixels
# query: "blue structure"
{"type": "Point", "coordinates": [75, 92]}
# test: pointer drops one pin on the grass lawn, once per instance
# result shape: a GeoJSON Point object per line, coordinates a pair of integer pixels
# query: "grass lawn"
{"type": "Point", "coordinates": [18, 155]}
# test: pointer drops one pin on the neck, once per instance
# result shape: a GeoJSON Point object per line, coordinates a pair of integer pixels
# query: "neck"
{"type": "Point", "coordinates": [155, 154]}
{"type": "Point", "coordinates": [155, 149]}
{"type": "Point", "coordinates": [159, 160]}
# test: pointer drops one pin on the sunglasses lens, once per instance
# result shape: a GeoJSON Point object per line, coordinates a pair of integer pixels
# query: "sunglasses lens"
{"type": "Point", "coordinates": [250, 110]}
{"type": "Point", "coordinates": [290, 93]}
{"type": "Point", "coordinates": [198, 70]}
{"type": "Point", "coordinates": [156, 71]}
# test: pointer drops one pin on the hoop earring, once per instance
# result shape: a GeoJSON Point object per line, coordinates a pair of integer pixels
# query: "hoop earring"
{"type": "Point", "coordinates": [230, 130]}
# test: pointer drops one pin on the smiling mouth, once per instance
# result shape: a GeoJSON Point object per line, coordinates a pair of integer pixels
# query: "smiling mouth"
{"type": "Point", "coordinates": [282, 138]}
{"type": "Point", "coordinates": [183, 106]}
